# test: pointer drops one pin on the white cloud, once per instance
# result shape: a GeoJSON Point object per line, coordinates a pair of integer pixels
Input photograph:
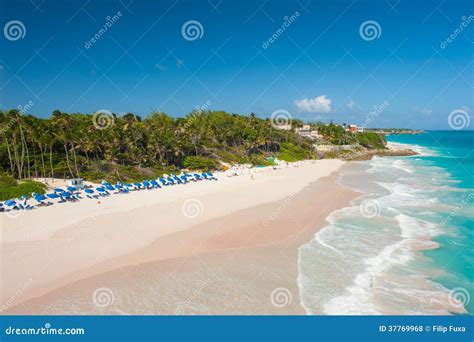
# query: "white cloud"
{"type": "Point", "coordinates": [320, 104]}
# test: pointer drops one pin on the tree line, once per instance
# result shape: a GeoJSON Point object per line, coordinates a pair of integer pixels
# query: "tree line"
{"type": "Point", "coordinates": [127, 147]}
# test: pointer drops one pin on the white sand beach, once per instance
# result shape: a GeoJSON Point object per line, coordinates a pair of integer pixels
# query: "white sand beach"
{"type": "Point", "coordinates": [48, 249]}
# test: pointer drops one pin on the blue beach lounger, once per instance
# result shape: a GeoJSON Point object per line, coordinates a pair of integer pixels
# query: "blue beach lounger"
{"type": "Point", "coordinates": [102, 192]}
{"type": "Point", "coordinates": [41, 200]}
{"type": "Point", "coordinates": [56, 196]}
{"type": "Point", "coordinates": [74, 192]}
{"type": "Point", "coordinates": [109, 187]}
{"type": "Point", "coordinates": [155, 184]}
{"type": "Point", "coordinates": [120, 188]}
{"type": "Point", "coordinates": [211, 176]}
{"type": "Point", "coordinates": [12, 204]}
{"type": "Point", "coordinates": [89, 193]}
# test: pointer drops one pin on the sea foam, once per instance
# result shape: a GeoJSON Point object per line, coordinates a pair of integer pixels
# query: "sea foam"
{"type": "Point", "coordinates": [375, 265]}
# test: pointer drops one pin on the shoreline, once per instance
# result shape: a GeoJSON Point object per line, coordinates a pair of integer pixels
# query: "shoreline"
{"type": "Point", "coordinates": [363, 292]}
{"type": "Point", "coordinates": [274, 197]}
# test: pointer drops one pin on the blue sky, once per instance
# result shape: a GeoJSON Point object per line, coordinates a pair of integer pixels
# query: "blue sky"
{"type": "Point", "coordinates": [319, 67]}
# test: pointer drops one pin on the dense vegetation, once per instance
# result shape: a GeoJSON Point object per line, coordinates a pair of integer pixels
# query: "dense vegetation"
{"type": "Point", "coordinates": [371, 140]}
{"type": "Point", "coordinates": [11, 188]}
{"type": "Point", "coordinates": [129, 148]}
{"type": "Point", "coordinates": [336, 134]}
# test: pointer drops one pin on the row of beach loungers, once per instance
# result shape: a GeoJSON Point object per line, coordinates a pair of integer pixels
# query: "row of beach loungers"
{"type": "Point", "coordinates": [73, 194]}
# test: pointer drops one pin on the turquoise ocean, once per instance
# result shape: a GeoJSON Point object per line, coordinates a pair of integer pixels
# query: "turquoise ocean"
{"type": "Point", "coordinates": [406, 244]}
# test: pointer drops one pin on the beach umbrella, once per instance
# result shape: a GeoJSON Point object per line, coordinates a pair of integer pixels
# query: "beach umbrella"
{"type": "Point", "coordinates": [171, 180]}
{"type": "Point", "coordinates": [40, 198]}
{"type": "Point", "coordinates": [146, 184]}
{"type": "Point", "coordinates": [65, 194]}
{"type": "Point", "coordinates": [53, 195]}
{"type": "Point", "coordinates": [137, 184]}
{"type": "Point", "coordinates": [10, 203]}
{"type": "Point", "coordinates": [100, 189]}
{"type": "Point", "coordinates": [89, 191]}
{"type": "Point", "coordinates": [109, 187]}
{"type": "Point", "coordinates": [58, 190]}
